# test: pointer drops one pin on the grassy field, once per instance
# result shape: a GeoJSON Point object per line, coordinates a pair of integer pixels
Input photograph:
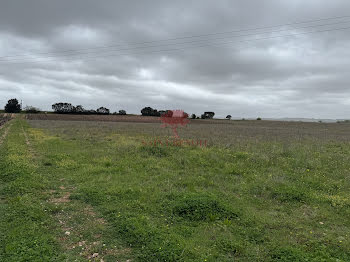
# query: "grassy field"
{"type": "Point", "coordinates": [99, 191]}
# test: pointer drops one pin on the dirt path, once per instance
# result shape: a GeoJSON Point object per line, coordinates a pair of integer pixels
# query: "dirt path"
{"type": "Point", "coordinates": [2, 138]}
{"type": "Point", "coordinates": [81, 228]}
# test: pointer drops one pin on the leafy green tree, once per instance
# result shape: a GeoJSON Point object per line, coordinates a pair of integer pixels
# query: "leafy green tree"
{"type": "Point", "coordinates": [13, 106]}
{"type": "Point", "coordinates": [102, 111]}
{"type": "Point", "coordinates": [149, 111]}
{"type": "Point", "coordinates": [63, 108]}
{"type": "Point", "coordinates": [208, 115]}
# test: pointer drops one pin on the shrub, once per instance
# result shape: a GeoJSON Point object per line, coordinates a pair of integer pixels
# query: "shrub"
{"type": "Point", "coordinates": [258, 118]}
{"type": "Point", "coordinates": [122, 112]}
{"type": "Point", "coordinates": [228, 117]}
{"type": "Point", "coordinates": [193, 116]}
{"type": "Point", "coordinates": [31, 110]}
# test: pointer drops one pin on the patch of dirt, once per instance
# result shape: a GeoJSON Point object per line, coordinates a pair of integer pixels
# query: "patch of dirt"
{"type": "Point", "coordinates": [30, 148]}
{"type": "Point", "coordinates": [90, 212]}
{"type": "Point", "coordinates": [72, 238]}
{"type": "Point", "coordinates": [63, 199]}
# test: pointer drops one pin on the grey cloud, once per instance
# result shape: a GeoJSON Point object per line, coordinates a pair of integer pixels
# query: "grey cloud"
{"type": "Point", "coordinates": [278, 77]}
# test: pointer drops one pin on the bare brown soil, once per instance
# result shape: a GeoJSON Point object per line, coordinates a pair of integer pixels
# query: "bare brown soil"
{"type": "Point", "coordinates": [112, 118]}
{"type": "Point", "coordinates": [105, 118]}
{"type": "Point", "coordinates": [3, 119]}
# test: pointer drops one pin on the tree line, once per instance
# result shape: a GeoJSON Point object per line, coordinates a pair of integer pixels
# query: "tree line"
{"type": "Point", "coordinates": [13, 106]}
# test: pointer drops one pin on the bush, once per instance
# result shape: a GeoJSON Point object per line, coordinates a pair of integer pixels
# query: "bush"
{"type": "Point", "coordinates": [258, 118]}
{"type": "Point", "coordinates": [228, 117]}
{"type": "Point", "coordinates": [13, 106]}
{"type": "Point", "coordinates": [122, 112]}
{"type": "Point", "coordinates": [193, 116]}
{"type": "Point", "coordinates": [31, 110]}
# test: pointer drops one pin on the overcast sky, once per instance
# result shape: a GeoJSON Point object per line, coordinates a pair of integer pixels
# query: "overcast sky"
{"type": "Point", "coordinates": [112, 53]}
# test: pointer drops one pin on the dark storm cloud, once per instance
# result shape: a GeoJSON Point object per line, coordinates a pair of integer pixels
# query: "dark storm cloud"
{"type": "Point", "coordinates": [303, 75]}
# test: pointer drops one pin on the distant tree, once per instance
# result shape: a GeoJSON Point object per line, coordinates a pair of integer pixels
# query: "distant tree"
{"type": "Point", "coordinates": [165, 112]}
{"type": "Point", "coordinates": [208, 115]}
{"type": "Point", "coordinates": [228, 117]}
{"type": "Point", "coordinates": [13, 106]}
{"type": "Point", "coordinates": [197, 117]}
{"type": "Point", "coordinates": [31, 110]}
{"type": "Point", "coordinates": [63, 108]}
{"type": "Point", "coordinates": [122, 112]}
{"type": "Point", "coordinates": [258, 118]}
{"type": "Point", "coordinates": [149, 111]}
{"type": "Point", "coordinates": [193, 116]}
{"type": "Point", "coordinates": [79, 109]}
{"type": "Point", "coordinates": [102, 111]}
{"type": "Point", "coordinates": [90, 112]}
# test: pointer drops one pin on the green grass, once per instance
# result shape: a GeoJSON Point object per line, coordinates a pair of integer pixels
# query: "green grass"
{"type": "Point", "coordinates": [259, 200]}
{"type": "Point", "coordinates": [25, 226]}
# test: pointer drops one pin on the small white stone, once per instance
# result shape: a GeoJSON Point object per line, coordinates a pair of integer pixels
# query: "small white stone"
{"type": "Point", "coordinates": [67, 233]}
